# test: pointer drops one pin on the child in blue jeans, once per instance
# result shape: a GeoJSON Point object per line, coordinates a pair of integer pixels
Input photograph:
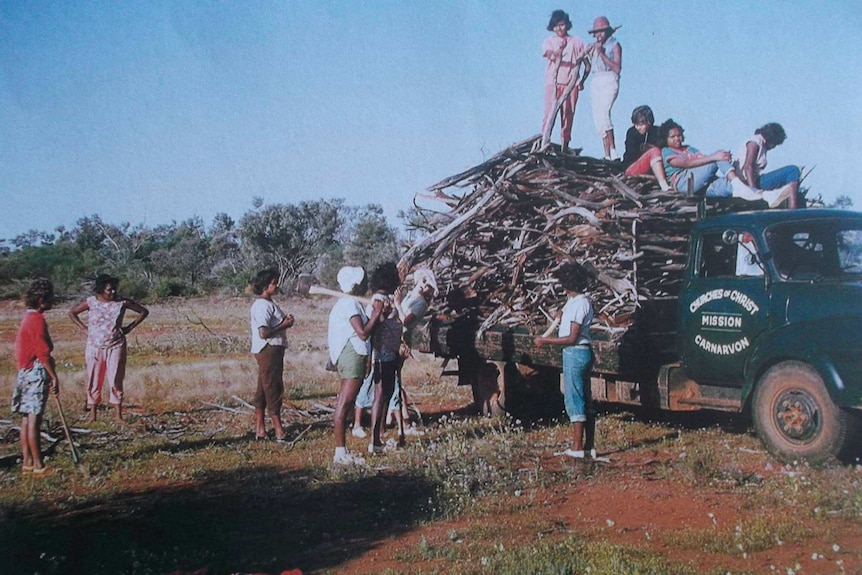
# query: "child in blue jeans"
{"type": "Point", "coordinates": [576, 318]}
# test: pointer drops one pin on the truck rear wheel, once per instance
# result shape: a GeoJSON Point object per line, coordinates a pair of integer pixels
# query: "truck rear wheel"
{"type": "Point", "coordinates": [795, 417]}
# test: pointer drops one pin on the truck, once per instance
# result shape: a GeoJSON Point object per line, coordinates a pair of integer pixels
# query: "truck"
{"type": "Point", "coordinates": [767, 322]}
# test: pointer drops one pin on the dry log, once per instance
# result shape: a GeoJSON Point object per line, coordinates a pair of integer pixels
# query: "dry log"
{"type": "Point", "coordinates": [494, 253]}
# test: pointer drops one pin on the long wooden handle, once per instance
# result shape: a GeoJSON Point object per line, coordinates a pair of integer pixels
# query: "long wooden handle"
{"type": "Point", "coordinates": [76, 458]}
{"type": "Point", "coordinates": [554, 325]}
{"type": "Point", "coordinates": [320, 290]}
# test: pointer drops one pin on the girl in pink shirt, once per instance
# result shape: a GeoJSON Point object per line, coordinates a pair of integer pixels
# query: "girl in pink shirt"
{"type": "Point", "coordinates": [565, 54]}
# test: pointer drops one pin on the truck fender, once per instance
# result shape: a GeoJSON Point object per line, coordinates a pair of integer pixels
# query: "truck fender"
{"type": "Point", "coordinates": [814, 343]}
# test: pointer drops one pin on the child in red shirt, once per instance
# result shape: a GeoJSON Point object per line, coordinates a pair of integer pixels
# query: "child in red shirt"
{"type": "Point", "coordinates": [36, 374]}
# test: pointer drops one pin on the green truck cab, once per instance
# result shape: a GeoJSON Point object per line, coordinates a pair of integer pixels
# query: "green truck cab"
{"type": "Point", "coordinates": [767, 322]}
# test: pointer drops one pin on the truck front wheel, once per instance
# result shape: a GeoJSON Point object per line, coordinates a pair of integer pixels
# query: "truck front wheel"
{"type": "Point", "coordinates": [795, 417]}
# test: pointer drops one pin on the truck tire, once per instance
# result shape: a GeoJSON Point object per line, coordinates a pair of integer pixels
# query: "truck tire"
{"type": "Point", "coordinates": [795, 417]}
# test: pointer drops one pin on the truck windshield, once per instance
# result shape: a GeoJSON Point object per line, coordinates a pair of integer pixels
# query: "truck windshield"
{"type": "Point", "coordinates": [812, 250]}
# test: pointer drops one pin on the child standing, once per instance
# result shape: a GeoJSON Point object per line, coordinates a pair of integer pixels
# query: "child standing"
{"type": "Point", "coordinates": [348, 338]}
{"type": "Point", "coordinates": [386, 341]}
{"type": "Point", "coordinates": [565, 54]}
{"type": "Point", "coordinates": [606, 62]}
{"type": "Point", "coordinates": [268, 324]}
{"type": "Point", "coordinates": [36, 374]}
{"type": "Point", "coordinates": [574, 334]}
{"type": "Point", "coordinates": [105, 353]}
{"type": "Point", "coordinates": [411, 309]}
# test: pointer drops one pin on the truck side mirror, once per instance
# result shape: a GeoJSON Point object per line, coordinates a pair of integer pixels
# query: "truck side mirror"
{"type": "Point", "coordinates": [729, 237]}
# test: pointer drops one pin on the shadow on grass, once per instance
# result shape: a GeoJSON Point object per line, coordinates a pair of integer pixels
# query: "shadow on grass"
{"type": "Point", "coordinates": [293, 431]}
{"type": "Point", "coordinates": [259, 519]}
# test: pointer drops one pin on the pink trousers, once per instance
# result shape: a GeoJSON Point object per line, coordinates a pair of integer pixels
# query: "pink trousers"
{"type": "Point", "coordinates": [567, 110]}
{"type": "Point", "coordinates": [105, 365]}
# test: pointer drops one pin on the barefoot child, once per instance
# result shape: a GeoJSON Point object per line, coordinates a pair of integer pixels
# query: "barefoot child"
{"type": "Point", "coordinates": [606, 63]}
{"type": "Point", "coordinates": [411, 309]}
{"type": "Point", "coordinates": [105, 353]}
{"type": "Point", "coordinates": [574, 336]}
{"type": "Point", "coordinates": [565, 55]}
{"type": "Point", "coordinates": [386, 341]}
{"type": "Point", "coordinates": [268, 324]}
{"type": "Point", "coordinates": [36, 375]}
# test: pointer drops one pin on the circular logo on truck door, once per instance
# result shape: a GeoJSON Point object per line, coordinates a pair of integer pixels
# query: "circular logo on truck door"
{"type": "Point", "coordinates": [719, 322]}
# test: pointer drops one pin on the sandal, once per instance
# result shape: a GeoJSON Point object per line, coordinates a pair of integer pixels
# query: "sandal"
{"type": "Point", "coordinates": [26, 468]}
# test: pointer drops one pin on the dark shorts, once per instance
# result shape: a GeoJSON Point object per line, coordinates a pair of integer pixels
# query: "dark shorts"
{"type": "Point", "coordinates": [384, 371]}
{"type": "Point", "coordinates": [270, 379]}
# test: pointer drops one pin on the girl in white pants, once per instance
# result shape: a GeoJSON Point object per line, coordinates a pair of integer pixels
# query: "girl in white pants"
{"type": "Point", "coordinates": [606, 63]}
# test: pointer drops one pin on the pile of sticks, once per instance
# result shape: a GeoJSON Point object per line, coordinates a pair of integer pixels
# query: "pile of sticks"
{"type": "Point", "coordinates": [495, 247]}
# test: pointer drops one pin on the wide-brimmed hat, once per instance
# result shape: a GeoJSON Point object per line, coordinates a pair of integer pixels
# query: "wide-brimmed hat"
{"type": "Point", "coordinates": [425, 277]}
{"type": "Point", "coordinates": [349, 277]}
{"type": "Point", "coordinates": [601, 24]}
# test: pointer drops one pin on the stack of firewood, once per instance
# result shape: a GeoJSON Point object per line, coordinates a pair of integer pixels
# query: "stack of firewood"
{"type": "Point", "coordinates": [495, 246]}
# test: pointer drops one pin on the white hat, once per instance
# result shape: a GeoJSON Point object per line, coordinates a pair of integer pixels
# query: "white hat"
{"type": "Point", "coordinates": [349, 277]}
{"type": "Point", "coordinates": [425, 277]}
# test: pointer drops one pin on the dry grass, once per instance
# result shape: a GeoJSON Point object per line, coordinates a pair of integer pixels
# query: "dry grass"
{"type": "Point", "coordinates": [185, 487]}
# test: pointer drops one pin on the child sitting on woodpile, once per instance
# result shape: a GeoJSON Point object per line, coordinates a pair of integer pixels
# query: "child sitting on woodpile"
{"type": "Point", "coordinates": [713, 175]}
{"type": "Point", "coordinates": [643, 147]}
{"type": "Point", "coordinates": [750, 163]}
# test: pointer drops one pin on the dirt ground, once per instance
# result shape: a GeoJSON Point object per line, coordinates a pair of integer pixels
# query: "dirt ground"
{"type": "Point", "coordinates": [185, 489]}
{"type": "Point", "coordinates": [630, 506]}
{"type": "Point", "coordinates": [630, 501]}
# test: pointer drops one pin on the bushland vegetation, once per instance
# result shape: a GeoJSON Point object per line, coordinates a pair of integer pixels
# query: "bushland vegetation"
{"type": "Point", "coordinates": [190, 258]}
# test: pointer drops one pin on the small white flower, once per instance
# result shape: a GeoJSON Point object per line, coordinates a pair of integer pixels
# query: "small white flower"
{"type": "Point", "coordinates": [835, 547]}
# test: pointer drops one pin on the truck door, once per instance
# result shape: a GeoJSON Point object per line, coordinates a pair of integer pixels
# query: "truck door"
{"type": "Point", "coordinates": [724, 305]}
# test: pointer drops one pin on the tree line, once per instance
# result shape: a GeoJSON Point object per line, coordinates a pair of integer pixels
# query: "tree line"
{"type": "Point", "coordinates": [189, 258]}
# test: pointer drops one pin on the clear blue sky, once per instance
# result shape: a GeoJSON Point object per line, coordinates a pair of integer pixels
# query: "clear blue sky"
{"type": "Point", "coordinates": [153, 111]}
